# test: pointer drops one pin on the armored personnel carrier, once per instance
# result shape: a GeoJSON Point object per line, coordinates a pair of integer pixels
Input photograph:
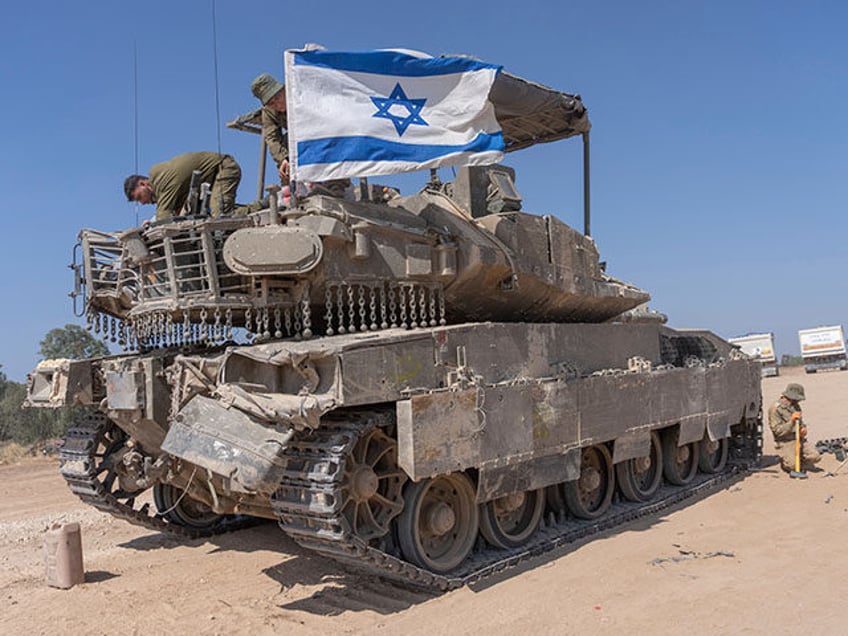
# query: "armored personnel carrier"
{"type": "Point", "coordinates": [432, 386]}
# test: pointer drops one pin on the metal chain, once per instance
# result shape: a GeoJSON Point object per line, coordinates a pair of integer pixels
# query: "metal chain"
{"type": "Point", "coordinates": [340, 308]}
{"type": "Point", "coordinates": [433, 292]}
{"type": "Point", "coordinates": [441, 294]}
{"type": "Point", "coordinates": [203, 325]}
{"type": "Point", "coordinates": [169, 328]}
{"type": "Point", "coordinates": [363, 325]}
{"type": "Point", "coordinates": [328, 310]}
{"type": "Point", "coordinates": [372, 305]}
{"type": "Point", "coordinates": [287, 317]}
{"type": "Point", "coordinates": [296, 310]}
{"type": "Point", "coordinates": [159, 328]}
{"type": "Point", "coordinates": [383, 315]}
{"type": "Point", "coordinates": [278, 333]}
{"type": "Point", "coordinates": [402, 303]}
{"type": "Point", "coordinates": [422, 305]}
{"type": "Point", "coordinates": [351, 306]}
{"type": "Point", "coordinates": [392, 308]}
{"type": "Point", "coordinates": [307, 313]}
{"type": "Point", "coordinates": [413, 308]}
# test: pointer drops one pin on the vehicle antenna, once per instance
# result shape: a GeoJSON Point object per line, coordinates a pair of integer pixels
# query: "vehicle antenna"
{"type": "Point", "coordinates": [135, 118]}
{"type": "Point", "coordinates": [217, 99]}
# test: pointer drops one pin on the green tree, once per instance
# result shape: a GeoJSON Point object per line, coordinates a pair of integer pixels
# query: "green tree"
{"type": "Point", "coordinates": [26, 426]}
{"type": "Point", "coordinates": [71, 341]}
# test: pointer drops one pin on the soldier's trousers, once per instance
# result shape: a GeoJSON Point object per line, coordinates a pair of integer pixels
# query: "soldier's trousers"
{"type": "Point", "coordinates": [223, 195]}
{"type": "Point", "coordinates": [786, 451]}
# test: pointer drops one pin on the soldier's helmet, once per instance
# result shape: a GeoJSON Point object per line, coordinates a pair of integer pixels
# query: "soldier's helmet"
{"type": "Point", "coordinates": [794, 391]}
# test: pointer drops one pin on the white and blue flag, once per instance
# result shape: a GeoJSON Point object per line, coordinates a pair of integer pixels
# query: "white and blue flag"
{"type": "Point", "coordinates": [383, 112]}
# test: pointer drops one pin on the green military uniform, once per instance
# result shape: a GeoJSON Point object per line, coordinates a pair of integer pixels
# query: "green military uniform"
{"type": "Point", "coordinates": [171, 180]}
{"type": "Point", "coordinates": [273, 123]}
{"type": "Point", "coordinates": [783, 429]}
{"type": "Point", "coordinates": [265, 88]}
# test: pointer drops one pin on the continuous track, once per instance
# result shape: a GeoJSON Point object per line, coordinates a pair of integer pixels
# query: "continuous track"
{"type": "Point", "coordinates": [308, 504]}
{"type": "Point", "coordinates": [85, 466]}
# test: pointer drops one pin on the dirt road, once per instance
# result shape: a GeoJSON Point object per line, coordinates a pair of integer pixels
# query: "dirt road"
{"type": "Point", "coordinates": [764, 555]}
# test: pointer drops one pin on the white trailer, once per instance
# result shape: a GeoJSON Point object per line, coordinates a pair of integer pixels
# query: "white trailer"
{"type": "Point", "coordinates": [823, 348]}
{"type": "Point", "coordinates": [760, 346]}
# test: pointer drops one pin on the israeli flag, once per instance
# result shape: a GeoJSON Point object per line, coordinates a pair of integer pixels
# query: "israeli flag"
{"type": "Point", "coordinates": [384, 112]}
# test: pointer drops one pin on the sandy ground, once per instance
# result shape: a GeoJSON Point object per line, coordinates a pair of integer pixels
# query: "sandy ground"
{"type": "Point", "coordinates": [764, 555]}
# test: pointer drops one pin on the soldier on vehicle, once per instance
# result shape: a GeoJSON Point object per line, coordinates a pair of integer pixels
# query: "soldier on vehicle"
{"type": "Point", "coordinates": [782, 417]}
{"type": "Point", "coordinates": [272, 94]}
{"type": "Point", "coordinates": [169, 182]}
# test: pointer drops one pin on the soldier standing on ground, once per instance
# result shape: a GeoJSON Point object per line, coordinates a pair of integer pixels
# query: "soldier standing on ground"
{"type": "Point", "coordinates": [781, 417]}
{"type": "Point", "coordinates": [169, 181]}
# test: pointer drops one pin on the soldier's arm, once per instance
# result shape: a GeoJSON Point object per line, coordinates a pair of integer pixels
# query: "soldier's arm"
{"type": "Point", "coordinates": [277, 141]}
{"type": "Point", "coordinates": [780, 422]}
{"type": "Point", "coordinates": [166, 208]}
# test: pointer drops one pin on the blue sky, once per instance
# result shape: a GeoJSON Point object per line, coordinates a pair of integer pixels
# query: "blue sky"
{"type": "Point", "coordinates": [719, 140]}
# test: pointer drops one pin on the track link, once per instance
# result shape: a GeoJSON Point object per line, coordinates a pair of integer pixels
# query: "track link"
{"type": "Point", "coordinates": [309, 499]}
{"type": "Point", "coordinates": [87, 476]}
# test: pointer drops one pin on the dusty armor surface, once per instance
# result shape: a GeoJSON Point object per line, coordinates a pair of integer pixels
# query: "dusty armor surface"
{"type": "Point", "coordinates": [390, 377]}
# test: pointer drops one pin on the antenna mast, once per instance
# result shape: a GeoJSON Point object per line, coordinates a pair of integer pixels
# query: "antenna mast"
{"type": "Point", "coordinates": [217, 99]}
{"type": "Point", "coordinates": [215, 61]}
{"type": "Point", "coordinates": [135, 117]}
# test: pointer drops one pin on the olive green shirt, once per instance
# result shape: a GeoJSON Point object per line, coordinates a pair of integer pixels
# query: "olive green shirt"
{"type": "Point", "coordinates": [273, 123]}
{"type": "Point", "coordinates": [780, 421]}
{"type": "Point", "coordinates": [171, 180]}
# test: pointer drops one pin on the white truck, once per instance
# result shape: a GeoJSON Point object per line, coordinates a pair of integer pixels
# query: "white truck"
{"type": "Point", "coordinates": [760, 346]}
{"type": "Point", "coordinates": [823, 348]}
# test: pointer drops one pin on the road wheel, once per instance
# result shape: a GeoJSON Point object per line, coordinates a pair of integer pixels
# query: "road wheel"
{"type": "Point", "coordinates": [590, 496]}
{"type": "Point", "coordinates": [712, 456]}
{"type": "Point", "coordinates": [680, 463]}
{"type": "Point", "coordinates": [640, 478]}
{"type": "Point", "coordinates": [177, 507]}
{"type": "Point", "coordinates": [438, 526]}
{"type": "Point", "coordinates": [508, 522]}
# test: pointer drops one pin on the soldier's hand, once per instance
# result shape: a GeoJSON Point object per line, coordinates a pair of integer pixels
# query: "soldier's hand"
{"type": "Point", "coordinates": [803, 431]}
{"type": "Point", "coordinates": [796, 415]}
{"type": "Point", "coordinates": [283, 169]}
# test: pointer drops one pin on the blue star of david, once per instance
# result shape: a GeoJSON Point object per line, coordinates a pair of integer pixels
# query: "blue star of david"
{"type": "Point", "coordinates": [399, 98]}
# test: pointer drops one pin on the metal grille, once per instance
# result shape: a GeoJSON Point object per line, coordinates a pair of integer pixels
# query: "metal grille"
{"type": "Point", "coordinates": [102, 262]}
{"type": "Point", "coordinates": [169, 286]}
{"type": "Point", "coordinates": [176, 264]}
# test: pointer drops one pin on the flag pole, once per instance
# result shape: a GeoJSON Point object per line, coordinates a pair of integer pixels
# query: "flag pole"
{"type": "Point", "coordinates": [587, 216]}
